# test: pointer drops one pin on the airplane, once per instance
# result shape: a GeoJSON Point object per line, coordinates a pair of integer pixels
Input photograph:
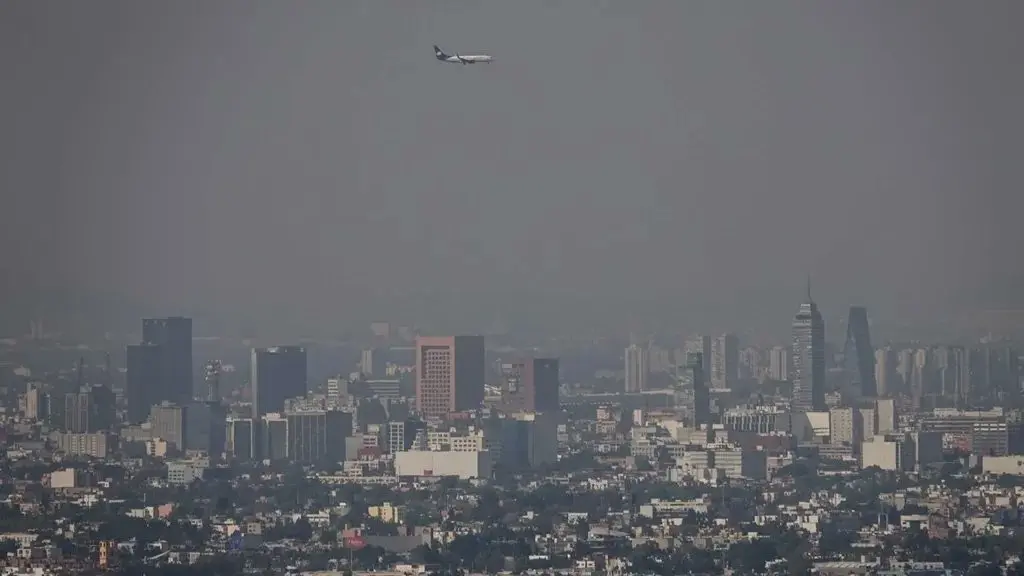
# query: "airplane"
{"type": "Point", "coordinates": [461, 58]}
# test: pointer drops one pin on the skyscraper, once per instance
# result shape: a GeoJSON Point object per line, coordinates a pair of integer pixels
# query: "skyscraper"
{"type": "Point", "coordinates": [144, 380]}
{"type": "Point", "coordinates": [637, 368]}
{"type": "Point", "coordinates": [205, 426]}
{"type": "Point", "coordinates": [277, 374]}
{"type": "Point", "coordinates": [725, 361]}
{"type": "Point", "coordinates": [530, 385]}
{"type": "Point", "coordinates": [885, 371]}
{"type": "Point", "coordinates": [211, 377]}
{"type": "Point", "coordinates": [701, 345]}
{"type": "Point", "coordinates": [449, 374]}
{"type": "Point", "coordinates": [858, 354]}
{"type": "Point", "coordinates": [778, 363]}
{"type": "Point", "coordinates": [174, 337]}
{"type": "Point", "coordinates": [701, 399]}
{"type": "Point", "coordinates": [808, 357]}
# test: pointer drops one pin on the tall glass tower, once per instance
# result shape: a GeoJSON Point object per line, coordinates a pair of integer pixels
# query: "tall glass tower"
{"type": "Point", "coordinates": [858, 355]}
{"type": "Point", "coordinates": [808, 357]}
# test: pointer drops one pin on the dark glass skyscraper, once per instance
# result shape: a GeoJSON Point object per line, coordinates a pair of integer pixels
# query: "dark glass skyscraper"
{"type": "Point", "coordinates": [858, 354]}
{"type": "Point", "coordinates": [144, 379]}
{"type": "Point", "coordinates": [701, 397]}
{"type": "Point", "coordinates": [174, 337]}
{"type": "Point", "coordinates": [278, 373]}
{"type": "Point", "coordinates": [808, 357]}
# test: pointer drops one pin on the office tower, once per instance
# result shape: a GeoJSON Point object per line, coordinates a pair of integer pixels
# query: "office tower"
{"type": "Point", "coordinates": [637, 368]}
{"type": "Point", "coordinates": [778, 363]}
{"type": "Point", "coordinates": [102, 407]}
{"type": "Point", "coordinates": [34, 402]}
{"type": "Point", "coordinates": [1004, 376]}
{"type": "Point", "coordinates": [77, 408]}
{"type": "Point", "coordinates": [337, 391]}
{"type": "Point", "coordinates": [961, 358]}
{"type": "Point", "coordinates": [921, 379]}
{"type": "Point", "coordinates": [205, 428]}
{"type": "Point", "coordinates": [317, 436]}
{"type": "Point", "coordinates": [904, 369]}
{"type": "Point", "coordinates": [528, 440]}
{"type": "Point", "coordinates": [211, 377]}
{"type": "Point", "coordinates": [885, 371]}
{"type": "Point", "coordinates": [858, 354]}
{"type": "Point", "coordinates": [449, 374]}
{"type": "Point", "coordinates": [725, 361]}
{"type": "Point", "coordinates": [374, 362]}
{"type": "Point", "coordinates": [846, 427]}
{"type": "Point", "coordinates": [701, 345]}
{"type": "Point", "coordinates": [241, 439]}
{"type": "Point", "coordinates": [701, 408]}
{"type": "Point", "coordinates": [143, 380]}
{"type": "Point", "coordinates": [402, 434]}
{"type": "Point", "coordinates": [530, 385]}
{"type": "Point", "coordinates": [944, 364]}
{"type": "Point", "coordinates": [277, 374]}
{"type": "Point", "coordinates": [174, 337]}
{"type": "Point", "coordinates": [170, 424]}
{"type": "Point", "coordinates": [750, 363]}
{"type": "Point", "coordinates": [885, 413]}
{"type": "Point", "coordinates": [307, 436]}
{"type": "Point", "coordinates": [272, 431]}
{"type": "Point", "coordinates": [808, 357]}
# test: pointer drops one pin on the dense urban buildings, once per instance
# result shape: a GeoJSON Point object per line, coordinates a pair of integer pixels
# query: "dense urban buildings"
{"type": "Point", "coordinates": [397, 414]}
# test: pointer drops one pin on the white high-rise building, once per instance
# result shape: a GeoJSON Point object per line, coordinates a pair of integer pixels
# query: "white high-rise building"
{"type": "Point", "coordinates": [778, 363]}
{"type": "Point", "coordinates": [808, 357]}
{"type": "Point", "coordinates": [884, 369]}
{"type": "Point", "coordinates": [637, 368]}
{"type": "Point", "coordinates": [725, 361]}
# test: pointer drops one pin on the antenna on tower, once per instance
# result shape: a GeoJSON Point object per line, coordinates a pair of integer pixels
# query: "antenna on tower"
{"type": "Point", "coordinates": [80, 373]}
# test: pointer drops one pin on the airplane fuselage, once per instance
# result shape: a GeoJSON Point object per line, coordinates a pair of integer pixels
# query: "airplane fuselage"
{"type": "Point", "coordinates": [461, 58]}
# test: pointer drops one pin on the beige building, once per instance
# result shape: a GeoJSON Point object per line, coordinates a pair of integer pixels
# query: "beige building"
{"type": "Point", "coordinates": [464, 465]}
{"type": "Point", "coordinates": [387, 513]}
{"type": "Point", "coordinates": [1012, 465]}
{"type": "Point", "coordinates": [888, 452]}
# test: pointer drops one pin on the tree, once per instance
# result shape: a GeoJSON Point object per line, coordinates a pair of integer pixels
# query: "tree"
{"type": "Point", "coordinates": [751, 557]}
{"type": "Point", "coordinates": [833, 541]}
{"type": "Point", "coordinates": [985, 569]}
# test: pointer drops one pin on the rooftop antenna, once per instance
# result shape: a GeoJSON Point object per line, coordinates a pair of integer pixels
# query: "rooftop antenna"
{"type": "Point", "coordinates": [809, 299]}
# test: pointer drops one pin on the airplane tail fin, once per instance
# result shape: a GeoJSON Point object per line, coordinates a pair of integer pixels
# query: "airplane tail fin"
{"type": "Point", "coordinates": [439, 53]}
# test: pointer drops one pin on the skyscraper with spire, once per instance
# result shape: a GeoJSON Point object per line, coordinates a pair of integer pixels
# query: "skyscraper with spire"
{"type": "Point", "coordinates": [808, 357]}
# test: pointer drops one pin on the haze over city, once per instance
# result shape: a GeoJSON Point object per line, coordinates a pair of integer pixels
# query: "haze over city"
{"type": "Point", "coordinates": [603, 288]}
{"type": "Point", "coordinates": [305, 168]}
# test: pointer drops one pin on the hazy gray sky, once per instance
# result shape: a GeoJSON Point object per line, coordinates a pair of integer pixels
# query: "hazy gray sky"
{"type": "Point", "coordinates": [311, 160]}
